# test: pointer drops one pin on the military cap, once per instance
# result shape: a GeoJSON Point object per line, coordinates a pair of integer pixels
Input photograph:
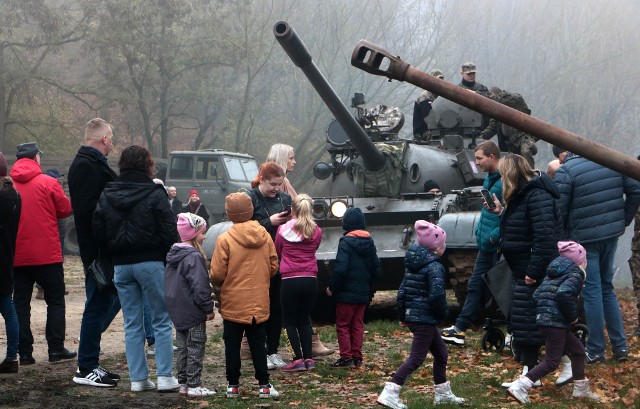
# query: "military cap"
{"type": "Point", "coordinates": [27, 150]}
{"type": "Point", "coordinates": [468, 67]}
{"type": "Point", "coordinates": [437, 73]}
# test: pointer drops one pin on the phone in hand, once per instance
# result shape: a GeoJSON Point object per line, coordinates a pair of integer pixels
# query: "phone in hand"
{"type": "Point", "coordinates": [488, 199]}
{"type": "Point", "coordinates": [287, 210]}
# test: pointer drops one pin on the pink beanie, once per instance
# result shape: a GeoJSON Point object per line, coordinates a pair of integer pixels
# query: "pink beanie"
{"type": "Point", "coordinates": [573, 251]}
{"type": "Point", "coordinates": [190, 225]}
{"type": "Point", "coordinates": [429, 235]}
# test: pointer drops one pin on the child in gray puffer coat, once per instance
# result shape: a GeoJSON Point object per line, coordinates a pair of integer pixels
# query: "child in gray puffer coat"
{"type": "Point", "coordinates": [557, 311]}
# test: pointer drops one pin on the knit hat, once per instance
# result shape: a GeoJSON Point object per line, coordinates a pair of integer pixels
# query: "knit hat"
{"type": "Point", "coordinates": [430, 236]}
{"type": "Point", "coordinates": [27, 150]}
{"type": "Point", "coordinates": [573, 251]}
{"type": "Point", "coordinates": [353, 219]}
{"type": "Point", "coordinates": [3, 165]}
{"type": "Point", "coordinates": [190, 225]}
{"type": "Point", "coordinates": [193, 192]}
{"type": "Point", "coordinates": [239, 207]}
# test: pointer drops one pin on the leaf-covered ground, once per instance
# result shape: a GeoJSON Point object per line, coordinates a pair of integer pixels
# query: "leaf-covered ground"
{"type": "Point", "coordinates": [474, 374]}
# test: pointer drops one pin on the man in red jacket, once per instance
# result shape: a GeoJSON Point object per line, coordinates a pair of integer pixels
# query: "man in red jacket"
{"type": "Point", "coordinates": [38, 252]}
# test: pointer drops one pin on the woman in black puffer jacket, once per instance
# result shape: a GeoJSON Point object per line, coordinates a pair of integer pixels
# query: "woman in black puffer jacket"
{"type": "Point", "coordinates": [530, 228]}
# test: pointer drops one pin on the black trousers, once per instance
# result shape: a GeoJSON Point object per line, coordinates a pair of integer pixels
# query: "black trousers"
{"type": "Point", "coordinates": [298, 295]}
{"type": "Point", "coordinates": [232, 335]}
{"type": "Point", "coordinates": [274, 323]}
{"type": "Point", "coordinates": [51, 278]}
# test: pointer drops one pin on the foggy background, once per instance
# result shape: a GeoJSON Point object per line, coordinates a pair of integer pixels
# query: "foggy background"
{"type": "Point", "coordinates": [176, 74]}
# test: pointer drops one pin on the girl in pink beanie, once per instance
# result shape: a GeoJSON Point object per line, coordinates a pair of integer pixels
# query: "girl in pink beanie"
{"type": "Point", "coordinates": [557, 311]}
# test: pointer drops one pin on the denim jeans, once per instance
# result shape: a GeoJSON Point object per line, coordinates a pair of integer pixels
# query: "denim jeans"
{"type": "Point", "coordinates": [133, 282]}
{"type": "Point", "coordinates": [475, 289]}
{"type": "Point", "coordinates": [99, 310]}
{"type": "Point", "coordinates": [148, 328]}
{"type": "Point", "coordinates": [51, 277]}
{"type": "Point", "coordinates": [600, 302]}
{"type": "Point", "coordinates": [8, 311]}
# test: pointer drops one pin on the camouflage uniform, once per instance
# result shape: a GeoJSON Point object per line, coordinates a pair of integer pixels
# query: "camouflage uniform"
{"type": "Point", "coordinates": [511, 139]}
{"type": "Point", "coordinates": [422, 107]}
{"type": "Point", "coordinates": [634, 264]}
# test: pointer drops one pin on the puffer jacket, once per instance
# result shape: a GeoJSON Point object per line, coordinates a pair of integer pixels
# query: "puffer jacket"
{"type": "Point", "coordinates": [356, 268]}
{"type": "Point", "coordinates": [43, 203]}
{"type": "Point", "coordinates": [187, 292]}
{"type": "Point", "coordinates": [243, 262]}
{"type": "Point", "coordinates": [531, 228]}
{"type": "Point", "coordinates": [421, 296]}
{"type": "Point", "coordinates": [557, 296]}
{"type": "Point", "coordinates": [488, 227]}
{"type": "Point", "coordinates": [10, 206]}
{"type": "Point", "coordinates": [596, 203]}
{"type": "Point", "coordinates": [134, 220]}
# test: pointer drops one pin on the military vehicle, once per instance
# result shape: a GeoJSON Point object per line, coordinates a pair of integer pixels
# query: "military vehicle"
{"type": "Point", "coordinates": [371, 168]}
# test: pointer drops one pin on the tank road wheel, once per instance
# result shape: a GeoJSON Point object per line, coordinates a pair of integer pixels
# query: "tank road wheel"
{"type": "Point", "coordinates": [71, 245]}
{"type": "Point", "coordinates": [460, 264]}
{"type": "Point", "coordinates": [493, 340]}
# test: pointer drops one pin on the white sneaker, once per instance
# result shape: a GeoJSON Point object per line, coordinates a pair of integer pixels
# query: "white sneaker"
{"type": "Point", "coordinates": [151, 350]}
{"type": "Point", "coordinates": [270, 364]}
{"type": "Point", "coordinates": [140, 386]}
{"type": "Point", "coordinates": [167, 384]}
{"type": "Point", "coordinates": [276, 360]}
{"type": "Point", "coordinates": [268, 391]}
{"type": "Point", "coordinates": [199, 392]}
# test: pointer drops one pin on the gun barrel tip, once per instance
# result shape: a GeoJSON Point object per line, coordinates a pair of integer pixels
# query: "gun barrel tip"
{"type": "Point", "coordinates": [280, 28]}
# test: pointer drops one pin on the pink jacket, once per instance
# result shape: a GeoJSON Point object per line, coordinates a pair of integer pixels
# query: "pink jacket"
{"type": "Point", "coordinates": [297, 254]}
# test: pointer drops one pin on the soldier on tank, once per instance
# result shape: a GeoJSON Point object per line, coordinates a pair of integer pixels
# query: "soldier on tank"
{"type": "Point", "coordinates": [511, 139]}
{"type": "Point", "coordinates": [422, 107]}
{"type": "Point", "coordinates": [469, 79]}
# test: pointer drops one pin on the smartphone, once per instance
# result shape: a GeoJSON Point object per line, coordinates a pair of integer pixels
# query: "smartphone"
{"type": "Point", "coordinates": [488, 198]}
{"type": "Point", "coordinates": [287, 210]}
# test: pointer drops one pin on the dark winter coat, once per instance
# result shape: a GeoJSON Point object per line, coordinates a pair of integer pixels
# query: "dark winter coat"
{"type": "Point", "coordinates": [531, 228]}
{"type": "Point", "coordinates": [557, 296]}
{"type": "Point", "coordinates": [265, 207]}
{"type": "Point", "coordinates": [356, 268]}
{"type": "Point", "coordinates": [596, 203]}
{"type": "Point", "coordinates": [176, 207]}
{"type": "Point", "coordinates": [200, 210]}
{"type": "Point", "coordinates": [488, 227]}
{"type": "Point", "coordinates": [10, 205]}
{"type": "Point", "coordinates": [421, 296]}
{"type": "Point", "coordinates": [134, 219]}
{"type": "Point", "coordinates": [187, 292]}
{"type": "Point", "coordinates": [88, 175]}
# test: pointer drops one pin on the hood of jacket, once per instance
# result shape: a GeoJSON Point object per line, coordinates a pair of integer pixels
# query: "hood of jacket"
{"type": "Point", "coordinates": [543, 181]}
{"type": "Point", "coordinates": [249, 234]}
{"type": "Point", "coordinates": [561, 266]}
{"type": "Point", "coordinates": [359, 241]}
{"type": "Point", "coordinates": [289, 234]}
{"type": "Point", "coordinates": [130, 189]}
{"type": "Point", "coordinates": [417, 257]}
{"type": "Point", "coordinates": [24, 170]}
{"type": "Point", "coordinates": [178, 252]}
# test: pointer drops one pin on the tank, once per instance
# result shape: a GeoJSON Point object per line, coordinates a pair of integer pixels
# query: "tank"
{"type": "Point", "coordinates": [371, 168]}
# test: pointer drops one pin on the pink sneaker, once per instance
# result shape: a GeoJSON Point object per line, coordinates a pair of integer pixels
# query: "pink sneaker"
{"type": "Point", "coordinates": [310, 364]}
{"type": "Point", "coordinates": [184, 389]}
{"type": "Point", "coordinates": [296, 365]}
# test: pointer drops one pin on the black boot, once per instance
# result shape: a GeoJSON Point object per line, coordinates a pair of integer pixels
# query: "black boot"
{"type": "Point", "coordinates": [64, 353]}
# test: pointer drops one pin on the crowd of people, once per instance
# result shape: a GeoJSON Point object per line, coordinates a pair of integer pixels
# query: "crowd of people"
{"type": "Point", "coordinates": [556, 232]}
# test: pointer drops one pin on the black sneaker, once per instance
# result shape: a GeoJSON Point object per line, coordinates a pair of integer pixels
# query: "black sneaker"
{"type": "Point", "coordinates": [111, 375]}
{"type": "Point", "coordinates": [96, 377]}
{"type": "Point", "coordinates": [357, 362]}
{"type": "Point", "coordinates": [343, 363]}
{"type": "Point", "coordinates": [452, 336]}
{"type": "Point", "coordinates": [64, 353]}
{"type": "Point", "coordinates": [593, 359]}
{"type": "Point", "coordinates": [621, 356]}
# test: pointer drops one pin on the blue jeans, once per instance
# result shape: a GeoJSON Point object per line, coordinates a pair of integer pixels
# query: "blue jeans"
{"type": "Point", "coordinates": [8, 311]}
{"type": "Point", "coordinates": [133, 282]}
{"type": "Point", "coordinates": [600, 302]}
{"type": "Point", "coordinates": [99, 310]}
{"type": "Point", "coordinates": [148, 328]}
{"type": "Point", "coordinates": [475, 289]}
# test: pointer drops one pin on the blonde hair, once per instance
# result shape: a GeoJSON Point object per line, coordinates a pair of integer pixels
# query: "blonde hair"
{"type": "Point", "coordinates": [515, 172]}
{"type": "Point", "coordinates": [279, 153]}
{"type": "Point", "coordinates": [96, 129]}
{"type": "Point", "coordinates": [303, 206]}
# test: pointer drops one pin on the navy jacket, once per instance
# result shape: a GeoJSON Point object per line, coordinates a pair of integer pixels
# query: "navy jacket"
{"type": "Point", "coordinates": [592, 200]}
{"type": "Point", "coordinates": [421, 296]}
{"type": "Point", "coordinates": [557, 296]}
{"type": "Point", "coordinates": [187, 292]}
{"type": "Point", "coordinates": [356, 268]}
{"type": "Point", "coordinates": [488, 227]}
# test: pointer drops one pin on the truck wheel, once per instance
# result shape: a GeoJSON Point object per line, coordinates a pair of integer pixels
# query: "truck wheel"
{"type": "Point", "coordinates": [71, 245]}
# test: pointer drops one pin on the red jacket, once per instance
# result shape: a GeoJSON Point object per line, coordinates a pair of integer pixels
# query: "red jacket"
{"type": "Point", "coordinates": [43, 203]}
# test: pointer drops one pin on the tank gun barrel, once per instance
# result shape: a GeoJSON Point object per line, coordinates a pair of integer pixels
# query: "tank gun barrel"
{"type": "Point", "coordinates": [373, 159]}
{"type": "Point", "coordinates": [369, 57]}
